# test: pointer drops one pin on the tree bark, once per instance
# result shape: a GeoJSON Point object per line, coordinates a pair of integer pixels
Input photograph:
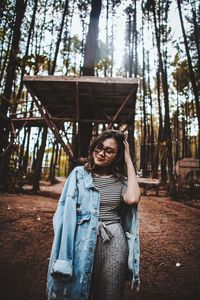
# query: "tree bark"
{"type": "Point", "coordinates": [52, 162]}
{"type": "Point", "coordinates": [191, 73]}
{"type": "Point", "coordinates": [10, 76]}
{"type": "Point", "coordinates": [91, 45]}
{"type": "Point", "coordinates": [59, 38]}
{"type": "Point", "coordinates": [31, 29]}
{"type": "Point", "coordinates": [144, 146]}
{"type": "Point", "coordinates": [10, 70]}
{"type": "Point", "coordinates": [35, 149]}
{"type": "Point", "coordinates": [38, 167]}
{"type": "Point", "coordinates": [90, 54]}
{"type": "Point", "coordinates": [167, 130]}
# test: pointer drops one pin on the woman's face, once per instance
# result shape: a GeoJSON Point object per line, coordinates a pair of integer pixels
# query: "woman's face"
{"type": "Point", "coordinates": [105, 152]}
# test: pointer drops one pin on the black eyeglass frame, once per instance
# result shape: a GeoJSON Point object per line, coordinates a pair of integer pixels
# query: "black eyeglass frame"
{"type": "Point", "coordinates": [106, 150]}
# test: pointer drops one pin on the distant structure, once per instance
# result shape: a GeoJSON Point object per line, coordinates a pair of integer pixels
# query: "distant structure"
{"type": "Point", "coordinates": [80, 100]}
{"type": "Point", "coordinates": [186, 165]}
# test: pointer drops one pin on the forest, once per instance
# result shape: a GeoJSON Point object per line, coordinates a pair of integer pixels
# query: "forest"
{"type": "Point", "coordinates": [153, 47]}
{"type": "Point", "coordinates": [156, 42]}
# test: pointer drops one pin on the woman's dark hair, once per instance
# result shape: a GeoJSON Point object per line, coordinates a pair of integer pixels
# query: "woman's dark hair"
{"type": "Point", "coordinates": [117, 168]}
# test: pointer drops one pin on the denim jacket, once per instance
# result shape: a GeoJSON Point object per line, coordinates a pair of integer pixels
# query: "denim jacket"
{"type": "Point", "coordinates": [75, 226]}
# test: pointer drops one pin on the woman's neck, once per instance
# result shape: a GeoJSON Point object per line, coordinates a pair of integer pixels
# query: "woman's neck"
{"type": "Point", "coordinates": [102, 171]}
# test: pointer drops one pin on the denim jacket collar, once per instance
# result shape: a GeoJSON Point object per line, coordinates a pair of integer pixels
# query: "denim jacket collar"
{"type": "Point", "coordinates": [88, 181]}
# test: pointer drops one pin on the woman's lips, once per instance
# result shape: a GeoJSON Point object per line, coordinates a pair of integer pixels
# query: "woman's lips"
{"type": "Point", "coordinates": [100, 158]}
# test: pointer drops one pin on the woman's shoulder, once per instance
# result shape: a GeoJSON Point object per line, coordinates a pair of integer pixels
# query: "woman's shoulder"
{"type": "Point", "coordinates": [78, 169]}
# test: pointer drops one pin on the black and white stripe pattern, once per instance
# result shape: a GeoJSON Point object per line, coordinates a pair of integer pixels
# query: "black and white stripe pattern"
{"type": "Point", "coordinates": [110, 190]}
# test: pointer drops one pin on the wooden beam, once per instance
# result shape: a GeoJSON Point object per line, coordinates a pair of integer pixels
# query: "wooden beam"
{"type": "Point", "coordinates": [124, 120]}
{"type": "Point", "coordinates": [39, 120]}
{"type": "Point", "coordinates": [48, 119]}
{"type": "Point", "coordinates": [82, 79]}
{"type": "Point", "coordinates": [121, 107]}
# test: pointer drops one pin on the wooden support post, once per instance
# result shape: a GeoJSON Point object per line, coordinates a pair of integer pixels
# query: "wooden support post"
{"type": "Point", "coordinates": [48, 119]}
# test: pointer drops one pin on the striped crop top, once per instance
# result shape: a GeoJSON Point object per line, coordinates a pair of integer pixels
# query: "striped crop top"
{"type": "Point", "coordinates": [111, 191]}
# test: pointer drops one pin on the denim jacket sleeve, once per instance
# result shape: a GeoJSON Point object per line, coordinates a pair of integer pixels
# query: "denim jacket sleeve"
{"type": "Point", "coordinates": [130, 225]}
{"type": "Point", "coordinates": [64, 224]}
{"type": "Point", "coordinates": [134, 262]}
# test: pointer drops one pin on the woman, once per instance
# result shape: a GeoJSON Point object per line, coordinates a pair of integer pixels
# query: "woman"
{"type": "Point", "coordinates": [96, 226]}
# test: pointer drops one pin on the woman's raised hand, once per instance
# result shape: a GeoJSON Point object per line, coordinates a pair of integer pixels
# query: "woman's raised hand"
{"type": "Point", "coordinates": [127, 155]}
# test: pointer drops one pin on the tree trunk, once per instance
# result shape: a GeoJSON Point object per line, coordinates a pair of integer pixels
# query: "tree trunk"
{"type": "Point", "coordinates": [90, 54]}
{"type": "Point", "coordinates": [5, 54]}
{"type": "Point", "coordinates": [54, 165]}
{"type": "Point", "coordinates": [52, 41]}
{"type": "Point", "coordinates": [91, 45]}
{"type": "Point", "coordinates": [31, 29]}
{"type": "Point", "coordinates": [167, 130]}
{"type": "Point", "coordinates": [184, 142]}
{"type": "Point", "coordinates": [59, 38]}
{"type": "Point", "coordinates": [177, 155]}
{"type": "Point", "coordinates": [12, 63]}
{"type": "Point", "coordinates": [135, 40]}
{"type": "Point", "coordinates": [196, 33]}
{"type": "Point", "coordinates": [26, 155]}
{"type": "Point", "coordinates": [107, 40]}
{"type": "Point", "coordinates": [52, 160]}
{"type": "Point", "coordinates": [35, 149]}
{"type": "Point", "coordinates": [191, 73]}
{"type": "Point", "coordinates": [144, 146]}
{"type": "Point", "coordinates": [59, 161]}
{"type": "Point", "coordinates": [38, 167]}
{"type": "Point", "coordinates": [10, 76]}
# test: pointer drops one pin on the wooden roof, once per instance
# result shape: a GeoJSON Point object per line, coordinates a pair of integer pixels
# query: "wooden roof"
{"type": "Point", "coordinates": [85, 98]}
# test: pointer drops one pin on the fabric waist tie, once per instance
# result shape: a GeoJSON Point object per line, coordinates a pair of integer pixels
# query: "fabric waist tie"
{"type": "Point", "coordinates": [104, 231]}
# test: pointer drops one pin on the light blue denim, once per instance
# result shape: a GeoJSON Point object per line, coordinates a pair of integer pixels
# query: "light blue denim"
{"type": "Point", "coordinates": [75, 233]}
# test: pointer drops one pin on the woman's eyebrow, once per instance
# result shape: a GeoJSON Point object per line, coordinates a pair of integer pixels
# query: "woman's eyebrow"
{"type": "Point", "coordinates": [108, 148]}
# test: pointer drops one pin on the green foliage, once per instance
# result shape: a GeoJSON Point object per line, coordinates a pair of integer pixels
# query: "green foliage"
{"type": "Point", "coordinates": [71, 44]}
{"type": "Point", "coordinates": [180, 75]}
{"type": "Point", "coordinates": [2, 33]}
{"type": "Point", "coordinates": [34, 62]}
{"type": "Point", "coordinates": [83, 6]}
{"type": "Point", "coordinates": [15, 176]}
{"type": "Point", "coordinates": [101, 64]}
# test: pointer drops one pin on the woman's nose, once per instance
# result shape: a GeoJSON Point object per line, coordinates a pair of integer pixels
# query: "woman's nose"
{"type": "Point", "coordinates": [102, 152]}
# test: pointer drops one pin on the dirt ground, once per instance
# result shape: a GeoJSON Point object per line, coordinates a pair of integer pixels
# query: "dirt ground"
{"type": "Point", "coordinates": [170, 247]}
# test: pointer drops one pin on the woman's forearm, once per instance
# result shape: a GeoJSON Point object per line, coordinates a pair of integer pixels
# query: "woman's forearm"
{"type": "Point", "coordinates": [132, 195]}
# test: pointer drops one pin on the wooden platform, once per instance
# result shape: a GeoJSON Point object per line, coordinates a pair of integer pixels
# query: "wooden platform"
{"type": "Point", "coordinates": [72, 98]}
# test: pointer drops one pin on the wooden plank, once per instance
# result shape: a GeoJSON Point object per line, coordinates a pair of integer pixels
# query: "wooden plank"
{"type": "Point", "coordinates": [41, 121]}
{"type": "Point", "coordinates": [82, 79]}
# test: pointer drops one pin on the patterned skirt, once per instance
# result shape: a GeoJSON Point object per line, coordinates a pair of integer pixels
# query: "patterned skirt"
{"type": "Point", "coordinates": [110, 265]}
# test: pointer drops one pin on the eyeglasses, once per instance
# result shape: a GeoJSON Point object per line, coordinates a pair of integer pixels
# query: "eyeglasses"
{"type": "Point", "coordinates": [107, 151]}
